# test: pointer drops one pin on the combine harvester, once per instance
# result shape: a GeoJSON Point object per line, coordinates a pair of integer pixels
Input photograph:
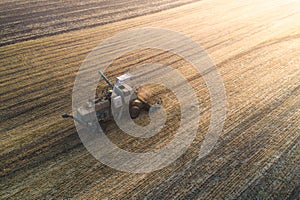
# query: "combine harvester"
{"type": "Point", "coordinates": [120, 96]}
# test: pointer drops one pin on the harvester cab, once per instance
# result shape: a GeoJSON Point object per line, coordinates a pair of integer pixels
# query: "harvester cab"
{"type": "Point", "coordinates": [122, 93]}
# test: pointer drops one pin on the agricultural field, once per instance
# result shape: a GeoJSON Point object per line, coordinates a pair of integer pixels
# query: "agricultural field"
{"type": "Point", "coordinates": [255, 47]}
{"type": "Point", "coordinates": [26, 20]}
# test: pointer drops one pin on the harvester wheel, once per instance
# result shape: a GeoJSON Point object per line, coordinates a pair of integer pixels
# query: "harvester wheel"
{"type": "Point", "coordinates": [134, 111]}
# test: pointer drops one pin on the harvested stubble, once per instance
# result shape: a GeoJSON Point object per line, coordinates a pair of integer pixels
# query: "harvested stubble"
{"type": "Point", "coordinates": [255, 46]}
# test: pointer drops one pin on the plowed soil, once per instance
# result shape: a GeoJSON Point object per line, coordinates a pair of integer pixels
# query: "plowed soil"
{"type": "Point", "coordinates": [255, 46]}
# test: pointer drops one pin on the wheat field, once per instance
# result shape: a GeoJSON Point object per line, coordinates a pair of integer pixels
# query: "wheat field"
{"type": "Point", "coordinates": [255, 47]}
